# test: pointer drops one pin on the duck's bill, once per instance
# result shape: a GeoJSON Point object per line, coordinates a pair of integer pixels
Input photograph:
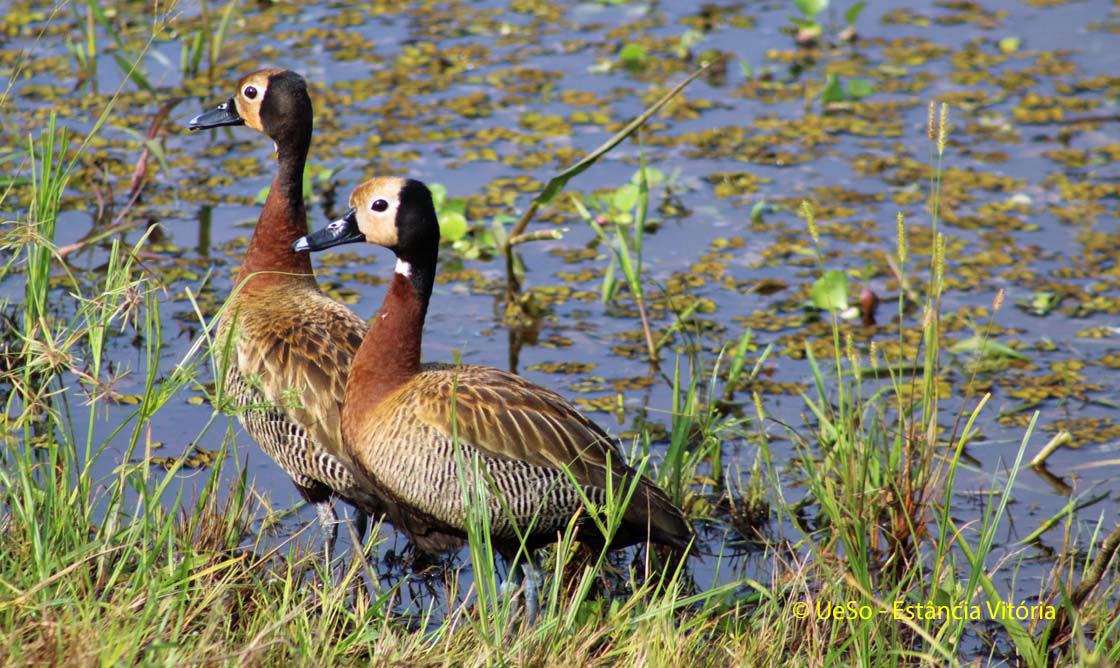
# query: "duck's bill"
{"type": "Point", "coordinates": [342, 231]}
{"type": "Point", "coordinates": [223, 114]}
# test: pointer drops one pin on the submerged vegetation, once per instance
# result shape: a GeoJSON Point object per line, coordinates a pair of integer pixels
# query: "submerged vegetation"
{"type": "Point", "coordinates": [840, 472]}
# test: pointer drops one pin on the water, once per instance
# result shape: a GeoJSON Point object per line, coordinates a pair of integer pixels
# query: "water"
{"type": "Point", "coordinates": [490, 99]}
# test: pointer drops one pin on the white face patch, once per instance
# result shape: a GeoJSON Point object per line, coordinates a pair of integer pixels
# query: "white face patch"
{"type": "Point", "coordinates": [376, 203]}
{"type": "Point", "coordinates": [250, 95]}
{"type": "Point", "coordinates": [403, 268]}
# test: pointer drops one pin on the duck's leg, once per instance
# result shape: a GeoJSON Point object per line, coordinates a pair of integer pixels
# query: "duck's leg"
{"type": "Point", "coordinates": [328, 528]}
{"type": "Point", "coordinates": [531, 576]}
{"type": "Point", "coordinates": [320, 496]}
{"type": "Point", "coordinates": [361, 525]}
{"type": "Point", "coordinates": [526, 577]}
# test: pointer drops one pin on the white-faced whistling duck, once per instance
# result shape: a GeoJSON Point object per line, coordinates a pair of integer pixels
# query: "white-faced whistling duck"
{"type": "Point", "coordinates": [402, 420]}
{"type": "Point", "coordinates": [291, 344]}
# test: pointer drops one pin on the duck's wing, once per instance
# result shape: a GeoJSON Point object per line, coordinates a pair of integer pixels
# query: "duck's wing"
{"type": "Point", "coordinates": [503, 415]}
{"type": "Point", "coordinates": [301, 357]}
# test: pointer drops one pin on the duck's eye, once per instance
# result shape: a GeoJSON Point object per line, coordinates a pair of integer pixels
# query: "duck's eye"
{"type": "Point", "coordinates": [379, 205]}
{"type": "Point", "coordinates": [250, 92]}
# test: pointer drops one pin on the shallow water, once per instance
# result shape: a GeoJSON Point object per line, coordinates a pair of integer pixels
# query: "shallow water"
{"type": "Point", "coordinates": [490, 99]}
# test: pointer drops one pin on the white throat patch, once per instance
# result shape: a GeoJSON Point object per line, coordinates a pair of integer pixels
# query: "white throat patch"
{"type": "Point", "coordinates": [403, 268]}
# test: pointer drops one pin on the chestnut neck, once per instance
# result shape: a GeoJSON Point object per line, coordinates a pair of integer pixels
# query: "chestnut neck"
{"type": "Point", "coordinates": [390, 353]}
{"type": "Point", "coordinates": [283, 220]}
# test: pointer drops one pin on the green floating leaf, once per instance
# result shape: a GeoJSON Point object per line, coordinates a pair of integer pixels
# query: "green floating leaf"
{"type": "Point", "coordinates": [859, 89]}
{"type": "Point", "coordinates": [439, 194]}
{"type": "Point", "coordinates": [452, 225]}
{"type": "Point", "coordinates": [986, 348]}
{"type": "Point", "coordinates": [455, 205]}
{"type": "Point", "coordinates": [806, 24]}
{"type": "Point", "coordinates": [625, 197]}
{"type": "Point", "coordinates": [1042, 302]}
{"type": "Point", "coordinates": [760, 208]}
{"type": "Point", "coordinates": [830, 291]}
{"type": "Point", "coordinates": [811, 8]}
{"type": "Point", "coordinates": [654, 177]}
{"type": "Point", "coordinates": [632, 54]}
{"type": "Point", "coordinates": [833, 92]}
{"type": "Point", "coordinates": [451, 212]}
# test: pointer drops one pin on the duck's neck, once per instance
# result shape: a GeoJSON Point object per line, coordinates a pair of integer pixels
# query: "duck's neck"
{"type": "Point", "coordinates": [390, 354]}
{"type": "Point", "coordinates": [283, 220]}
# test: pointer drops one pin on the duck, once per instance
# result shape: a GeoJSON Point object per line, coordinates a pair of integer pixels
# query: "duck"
{"type": "Point", "coordinates": [413, 425]}
{"type": "Point", "coordinates": [290, 344]}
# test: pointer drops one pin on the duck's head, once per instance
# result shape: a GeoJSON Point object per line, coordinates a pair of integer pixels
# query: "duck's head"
{"type": "Point", "coordinates": [392, 212]}
{"type": "Point", "coordinates": [272, 101]}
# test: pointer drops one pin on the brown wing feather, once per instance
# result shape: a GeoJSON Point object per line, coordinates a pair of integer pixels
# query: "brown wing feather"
{"type": "Point", "coordinates": [505, 416]}
{"type": "Point", "coordinates": [301, 360]}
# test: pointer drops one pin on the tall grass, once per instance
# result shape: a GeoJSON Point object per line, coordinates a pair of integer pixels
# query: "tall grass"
{"type": "Point", "coordinates": [885, 537]}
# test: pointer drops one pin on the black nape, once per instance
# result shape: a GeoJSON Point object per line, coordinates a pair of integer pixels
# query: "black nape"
{"type": "Point", "coordinates": [286, 111]}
